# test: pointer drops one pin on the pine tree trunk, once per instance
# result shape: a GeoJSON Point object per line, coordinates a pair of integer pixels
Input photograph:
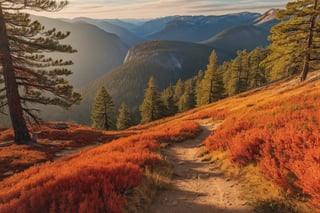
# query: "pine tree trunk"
{"type": "Point", "coordinates": [21, 132]}
{"type": "Point", "coordinates": [210, 93]}
{"type": "Point", "coordinates": [306, 61]}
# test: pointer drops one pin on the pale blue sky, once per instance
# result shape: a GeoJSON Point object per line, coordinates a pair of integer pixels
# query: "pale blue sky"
{"type": "Point", "coordinates": [159, 8]}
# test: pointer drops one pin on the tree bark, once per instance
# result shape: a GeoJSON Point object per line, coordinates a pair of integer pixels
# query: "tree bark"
{"type": "Point", "coordinates": [21, 132]}
{"type": "Point", "coordinates": [306, 61]}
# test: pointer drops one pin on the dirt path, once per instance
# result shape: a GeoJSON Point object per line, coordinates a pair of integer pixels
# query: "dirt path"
{"type": "Point", "coordinates": [197, 187]}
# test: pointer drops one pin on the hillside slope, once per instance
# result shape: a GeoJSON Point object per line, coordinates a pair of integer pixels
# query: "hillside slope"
{"type": "Point", "coordinates": [93, 59]}
{"type": "Point", "coordinates": [274, 128]}
{"type": "Point", "coordinates": [245, 36]}
{"type": "Point", "coordinates": [239, 38]}
{"type": "Point", "coordinates": [125, 35]}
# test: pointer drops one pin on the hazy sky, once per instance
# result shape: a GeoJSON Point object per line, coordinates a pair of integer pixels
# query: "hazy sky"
{"type": "Point", "coordinates": [159, 8]}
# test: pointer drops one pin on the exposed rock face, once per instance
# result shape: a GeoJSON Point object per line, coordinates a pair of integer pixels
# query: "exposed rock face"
{"type": "Point", "coordinates": [268, 16]}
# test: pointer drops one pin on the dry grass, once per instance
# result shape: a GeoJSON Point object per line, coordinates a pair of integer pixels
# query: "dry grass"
{"type": "Point", "coordinates": [155, 178]}
{"type": "Point", "coordinates": [262, 194]}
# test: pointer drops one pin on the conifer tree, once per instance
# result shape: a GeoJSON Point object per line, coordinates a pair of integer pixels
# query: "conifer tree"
{"type": "Point", "coordinates": [28, 77]}
{"type": "Point", "coordinates": [211, 87]}
{"type": "Point", "coordinates": [152, 107]}
{"type": "Point", "coordinates": [167, 97]}
{"type": "Point", "coordinates": [257, 73]}
{"type": "Point", "coordinates": [124, 118]}
{"type": "Point", "coordinates": [296, 40]}
{"type": "Point", "coordinates": [178, 90]}
{"type": "Point", "coordinates": [102, 111]}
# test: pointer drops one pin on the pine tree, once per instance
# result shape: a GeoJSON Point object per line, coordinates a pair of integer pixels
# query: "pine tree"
{"type": "Point", "coordinates": [26, 77]}
{"type": "Point", "coordinates": [211, 87]}
{"type": "Point", "coordinates": [152, 107]}
{"type": "Point", "coordinates": [257, 73]}
{"type": "Point", "coordinates": [124, 118]}
{"type": "Point", "coordinates": [167, 97]}
{"type": "Point", "coordinates": [296, 40]}
{"type": "Point", "coordinates": [178, 90]}
{"type": "Point", "coordinates": [102, 111]}
{"type": "Point", "coordinates": [187, 100]}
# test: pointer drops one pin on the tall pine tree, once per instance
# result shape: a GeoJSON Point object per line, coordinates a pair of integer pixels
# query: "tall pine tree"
{"type": "Point", "coordinates": [187, 100]}
{"type": "Point", "coordinates": [102, 111]}
{"type": "Point", "coordinates": [167, 97]}
{"type": "Point", "coordinates": [211, 87]}
{"type": "Point", "coordinates": [124, 118]}
{"type": "Point", "coordinates": [296, 40]}
{"type": "Point", "coordinates": [152, 107]}
{"type": "Point", "coordinates": [28, 77]}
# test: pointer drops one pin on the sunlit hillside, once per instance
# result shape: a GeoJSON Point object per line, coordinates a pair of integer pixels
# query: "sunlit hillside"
{"type": "Point", "coordinates": [274, 128]}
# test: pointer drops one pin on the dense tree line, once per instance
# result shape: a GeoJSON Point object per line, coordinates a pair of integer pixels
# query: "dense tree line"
{"type": "Point", "coordinates": [216, 82]}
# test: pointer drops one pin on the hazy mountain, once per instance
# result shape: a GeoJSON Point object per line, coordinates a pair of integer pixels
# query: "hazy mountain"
{"type": "Point", "coordinates": [199, 28]}
{"type": "Point", "coordinates": [167, 61]}
{"type": "Point", "coordinates": [98, 51]}
{"type": "Point", "coordinates": [125, 35]}
{"type": "Point", "coordinates": [238, 38]}
{"type": "Point", "coordinates": [246, 37]}
{"type": "Point", "coordinates": [126, 24]}
{"type": "Point", "coordinates": [153, 26]}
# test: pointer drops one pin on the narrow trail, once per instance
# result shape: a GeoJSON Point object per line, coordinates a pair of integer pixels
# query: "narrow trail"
{"type": "Point", "coordinates": [197, 187]}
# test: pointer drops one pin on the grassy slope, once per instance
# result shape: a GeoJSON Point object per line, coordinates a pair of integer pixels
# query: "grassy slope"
{"type": "Point", "coordinates": [274, 129]}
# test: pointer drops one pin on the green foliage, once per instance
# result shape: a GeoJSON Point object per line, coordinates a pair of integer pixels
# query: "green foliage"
{"type": "Point", "coordinates": [187, 100]}
{"type": "Point", "coordinates": [128, 82]}
{"type": "Point", "coordinates": [102, 111]}
{"type": "Point", "coordinates": [295, 41]}
{"type": "Point", "coordinates": [40, 79]}
{"type": "Point", "coordinates": [211, 87]}
{"type": "Point", "coordinates": [167, 97]}
{"type": "Point", "coordinates": [257, 73]}
{"type": "Point", "coordinates": [124, 118]}
{"type": "Point", "coordinates": [245, 71]}
{"type": "Point", "coordinates": [152, 107]}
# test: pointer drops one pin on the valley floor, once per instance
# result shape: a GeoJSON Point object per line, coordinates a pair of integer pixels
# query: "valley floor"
{"type": "Point", "coordinates": [197, 186]}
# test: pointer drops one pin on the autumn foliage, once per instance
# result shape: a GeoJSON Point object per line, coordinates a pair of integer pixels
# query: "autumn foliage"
{"type": "Point", "coordinates": [94, 180]}
{"type": "Point", "coordinates": [281, 135]}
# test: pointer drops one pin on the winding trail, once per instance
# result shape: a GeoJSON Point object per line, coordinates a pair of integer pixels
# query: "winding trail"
{"type": "Point", "coordinates": [197, 187]}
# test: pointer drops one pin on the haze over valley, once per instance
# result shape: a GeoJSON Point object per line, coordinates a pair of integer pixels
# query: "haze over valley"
{"type": "Point", "coordinates": [122, 55]}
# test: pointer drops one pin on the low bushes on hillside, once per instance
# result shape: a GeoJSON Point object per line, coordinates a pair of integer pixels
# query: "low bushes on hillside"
{"type": "Point", "coordinates": [282, 137]}
{"type": "Point", "coordinates": [95, 180]}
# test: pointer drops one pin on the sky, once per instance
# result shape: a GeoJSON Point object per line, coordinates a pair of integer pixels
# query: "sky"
{"type": "Point", "coordinates": [145, 9]}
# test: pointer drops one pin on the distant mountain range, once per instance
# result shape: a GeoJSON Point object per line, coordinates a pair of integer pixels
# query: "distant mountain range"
{"type": "Point", "coordinates": [199, 28]}
{"type": "Point", "coordinates": [122, 54]}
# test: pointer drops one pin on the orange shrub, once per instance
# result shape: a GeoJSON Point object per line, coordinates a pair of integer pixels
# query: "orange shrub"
{"type": "Point", "coordinates": [174, 131]}
{"type": "Point", "coordinates": [282, 136]}
{"type": "Point", "coordinates": [95, 180]}
{"type": "Point", "coordinates": [219, 114]}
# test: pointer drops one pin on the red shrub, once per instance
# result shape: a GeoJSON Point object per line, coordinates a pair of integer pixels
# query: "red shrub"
{"type": "Point", "coordinates": [91, 181]}
{"type": "Point", "coordinates": [282, 136]}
